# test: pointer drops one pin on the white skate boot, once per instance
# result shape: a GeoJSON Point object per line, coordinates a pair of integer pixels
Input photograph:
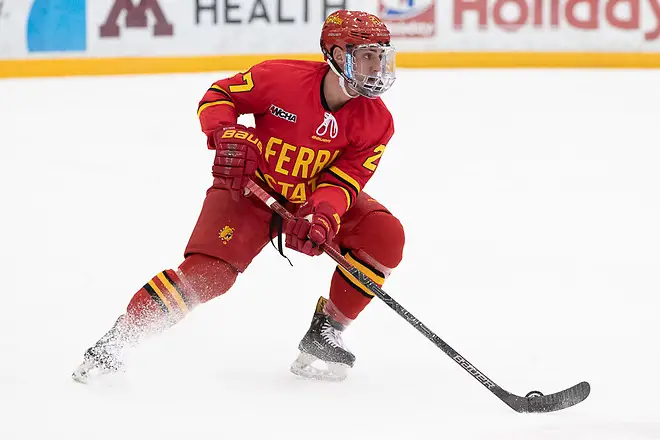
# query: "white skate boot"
{"type": "Point", "coordinates": [105, 357]}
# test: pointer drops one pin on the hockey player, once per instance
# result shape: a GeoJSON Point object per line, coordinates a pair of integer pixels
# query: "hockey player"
{"type": "Point", "coordinates": [320, 130]}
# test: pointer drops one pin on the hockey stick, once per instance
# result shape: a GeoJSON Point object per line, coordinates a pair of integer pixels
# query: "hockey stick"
{"type": "Point", "coordinates": [533, 402]}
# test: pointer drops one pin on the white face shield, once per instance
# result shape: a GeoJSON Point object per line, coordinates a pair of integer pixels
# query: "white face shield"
{"type": "Point", "coordinates": [369, 69]}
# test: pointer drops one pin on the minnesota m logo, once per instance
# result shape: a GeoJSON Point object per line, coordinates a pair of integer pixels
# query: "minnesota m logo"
{"type": "Point", "coordinates": [136, 17]}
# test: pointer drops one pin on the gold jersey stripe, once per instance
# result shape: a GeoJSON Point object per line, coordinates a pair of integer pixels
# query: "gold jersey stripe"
{"type": "Point", "coordinates": [211, 104]}
{"type": "Point", "coordinates": [349, 180]}
{"type": "Point", "coordinates": [220, 89]}
{"type": "Point", "coordinates": [175, 294]}
{"type": "Point", "coordinates": [349, 198]}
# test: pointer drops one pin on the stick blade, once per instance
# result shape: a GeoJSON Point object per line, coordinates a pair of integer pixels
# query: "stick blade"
{"type": "Point", "coordinates": [551, 402]}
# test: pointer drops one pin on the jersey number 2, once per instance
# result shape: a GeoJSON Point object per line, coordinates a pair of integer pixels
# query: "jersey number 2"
{"type": "Point", "coordinates": [247, 85]}
{"type": "Point", "coordinates": [370, 162]}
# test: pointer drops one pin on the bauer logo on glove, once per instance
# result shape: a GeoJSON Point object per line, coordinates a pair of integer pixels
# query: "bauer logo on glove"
{"type": "Point", "coordinates": [233, 133]}
{"type": "Point", "coordinates": [237, 151]}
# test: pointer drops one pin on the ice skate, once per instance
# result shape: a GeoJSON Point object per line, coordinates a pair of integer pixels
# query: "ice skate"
{"type": "Point", "coordinates": [105, 357]}
{"type": "Point", "coordinates": [323, 355]}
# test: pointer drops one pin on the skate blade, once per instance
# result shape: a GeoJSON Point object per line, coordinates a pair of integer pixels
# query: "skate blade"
{"type": "Point", "coordinates": [303, 366]}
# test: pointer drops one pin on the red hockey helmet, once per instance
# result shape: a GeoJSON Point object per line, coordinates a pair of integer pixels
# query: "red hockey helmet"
{"type": "Point", "coordinates": [368, 65]}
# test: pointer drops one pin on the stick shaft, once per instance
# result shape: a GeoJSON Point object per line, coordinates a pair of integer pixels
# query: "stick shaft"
{"type": "Point", "coordinates": [387, 299]}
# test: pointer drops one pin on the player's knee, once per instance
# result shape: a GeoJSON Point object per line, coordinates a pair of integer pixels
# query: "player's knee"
{"type": "Point", "coordinates": [383, 239]}
{"type": "Point", "coordinates": [170, 295]}
{"type": "Point", "coordinates": [377, 248]}
{"type": "Point", "coordinates": [206, 277]}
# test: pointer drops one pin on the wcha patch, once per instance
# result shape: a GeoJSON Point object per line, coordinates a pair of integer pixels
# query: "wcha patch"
{"type": "Point", "coordinates": [283, 114]}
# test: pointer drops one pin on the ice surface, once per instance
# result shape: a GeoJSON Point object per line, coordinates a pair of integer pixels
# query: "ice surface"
{"type": "Point", "coordinates": [531, 201]}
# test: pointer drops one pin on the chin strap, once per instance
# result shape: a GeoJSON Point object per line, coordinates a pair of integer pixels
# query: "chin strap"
{"type": "Point", "coordinates": [342, 82]}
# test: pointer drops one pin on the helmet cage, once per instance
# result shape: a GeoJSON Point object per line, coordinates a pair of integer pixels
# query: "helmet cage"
{"type": "Point", "coordinates": [363, 74]}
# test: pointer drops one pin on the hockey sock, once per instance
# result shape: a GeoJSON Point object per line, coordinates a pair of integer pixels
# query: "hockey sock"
{"type": "Point", "coordinates": [347, 294]}
{"type": "Point", "coordinates": [375, 247]}
{"type": "Point", "coordinates": [170, 295]}
{"type": "Point", "coordinates": [159, 302]}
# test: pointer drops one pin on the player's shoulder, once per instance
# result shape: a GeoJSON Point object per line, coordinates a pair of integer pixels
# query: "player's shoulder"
{"type": "Point", "coordinates": [375, 111]}
{"type": "Point", "coordinates": [288, 68]}
{"type": "Point", "coordinates": [370, 122]}
{"type": "Point", "coordinates": [377, 107]}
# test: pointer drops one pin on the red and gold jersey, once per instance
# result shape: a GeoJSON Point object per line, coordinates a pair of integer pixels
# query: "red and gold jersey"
{"type": "Point", "coordinates": [306, 149]}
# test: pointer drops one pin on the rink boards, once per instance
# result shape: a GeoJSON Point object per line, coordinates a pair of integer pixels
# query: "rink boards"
{"type": "Point", "coordinates": [65, 37]}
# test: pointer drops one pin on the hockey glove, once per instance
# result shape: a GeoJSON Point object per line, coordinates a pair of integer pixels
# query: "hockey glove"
{"type": "Point", "coordinates": [237, 151]}
{"type": "Point", "coordinates": [313, 226]}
